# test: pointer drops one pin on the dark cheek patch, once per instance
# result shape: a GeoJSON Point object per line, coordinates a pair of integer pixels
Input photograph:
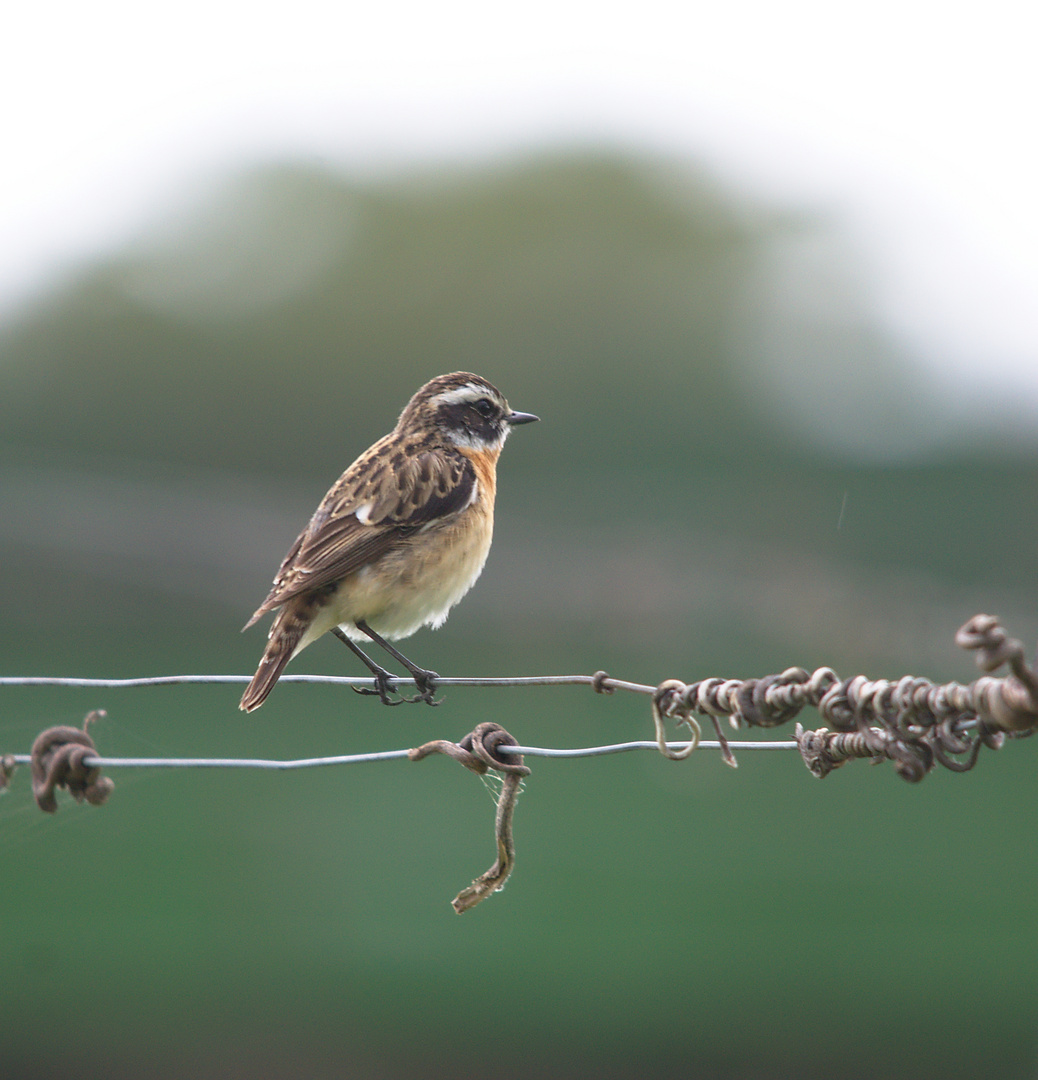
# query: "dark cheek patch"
{"type": "Point", "coordinates": [489, 431]}
{"type": "Point", "coordinates": [465, 420]}
{"type": "Point", "coordinates": [455, 417]}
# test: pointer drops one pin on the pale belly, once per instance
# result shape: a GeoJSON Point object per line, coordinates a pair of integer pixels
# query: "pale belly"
{"type": "Point", "coordinates": [408, 589]}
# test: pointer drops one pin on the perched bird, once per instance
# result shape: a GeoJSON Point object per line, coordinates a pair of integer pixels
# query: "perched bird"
{"type": "Point", "coordinates": [398, 540]}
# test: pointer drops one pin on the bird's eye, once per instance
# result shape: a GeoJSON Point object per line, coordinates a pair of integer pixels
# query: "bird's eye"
{"type": "Point", "coordinates": [485, 408]}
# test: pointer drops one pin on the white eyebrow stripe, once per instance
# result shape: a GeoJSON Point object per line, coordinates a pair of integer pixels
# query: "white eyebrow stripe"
{"type": "Point", "coordinates": [468, 392]}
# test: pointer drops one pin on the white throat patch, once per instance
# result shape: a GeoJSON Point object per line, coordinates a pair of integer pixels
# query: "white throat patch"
{"type": "Point", "coordinates": [473, 442]}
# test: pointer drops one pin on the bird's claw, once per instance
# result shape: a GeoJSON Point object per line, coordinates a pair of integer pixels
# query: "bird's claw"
{"type": "Point", "coordinates": [385, 685]}
{"type": "Point", "coordinates": [425, 681]}
{"type": "Point", "coordinates": [385, 688]}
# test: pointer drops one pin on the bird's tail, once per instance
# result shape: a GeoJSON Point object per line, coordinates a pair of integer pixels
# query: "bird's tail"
{"type": "Point", "coordinates": [285, 635]}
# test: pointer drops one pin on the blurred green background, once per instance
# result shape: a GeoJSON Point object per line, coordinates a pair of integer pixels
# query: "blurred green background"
{"type": "Point", "coordinates": [736, 470]}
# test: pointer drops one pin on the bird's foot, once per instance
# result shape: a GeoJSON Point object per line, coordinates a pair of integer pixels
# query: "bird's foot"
{"type": "Point", "coordinates": [384, 688]}
{"type": "Point", "coordinates": [425, 681]}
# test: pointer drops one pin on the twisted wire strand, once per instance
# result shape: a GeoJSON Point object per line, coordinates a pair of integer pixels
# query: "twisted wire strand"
{"type": "Point", "coordinates": [479, 751]}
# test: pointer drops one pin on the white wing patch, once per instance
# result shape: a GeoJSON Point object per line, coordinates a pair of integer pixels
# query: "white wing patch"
{"type": "Point", "coordinates": [363, 512]}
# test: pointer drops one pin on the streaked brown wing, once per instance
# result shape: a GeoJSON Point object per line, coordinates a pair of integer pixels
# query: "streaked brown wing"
{"type": "Point", "coordinates": [403, 493]}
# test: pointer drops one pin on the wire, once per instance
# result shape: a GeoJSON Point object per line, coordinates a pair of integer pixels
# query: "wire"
{"type": "Point", "coordinates": [334, 680]}
{"type": "Point", "coordinates": [596, 681]}
{"type": "Point", "coordinates": [912, 722]}
{"type": "Point", "coordinates": [391, 755]}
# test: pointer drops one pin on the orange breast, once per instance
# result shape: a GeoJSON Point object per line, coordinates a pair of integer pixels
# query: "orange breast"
{"type": "Point", "coordinates": [485, 464]}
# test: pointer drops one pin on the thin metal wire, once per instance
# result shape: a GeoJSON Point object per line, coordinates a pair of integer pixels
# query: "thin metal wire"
{"type": "Point", "coordinates": [392, 755]}
{"type": "Point", "coordinates": [334, 680]}
{"type": "Point", "coordinates": [918, 721]}
{"type": "Point", "coordinates": [383, 755]}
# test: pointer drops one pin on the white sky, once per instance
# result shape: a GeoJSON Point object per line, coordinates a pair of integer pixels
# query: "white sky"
{"type": "Point", "coordinates": [914, 118]}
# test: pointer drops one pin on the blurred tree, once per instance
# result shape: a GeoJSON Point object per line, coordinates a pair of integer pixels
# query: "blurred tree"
{"type": "Point", "coordinates": [286, 317]}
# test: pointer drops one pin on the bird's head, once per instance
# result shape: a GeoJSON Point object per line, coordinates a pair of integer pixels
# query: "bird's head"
{"type": "Point", "coordinates": [464, 409]}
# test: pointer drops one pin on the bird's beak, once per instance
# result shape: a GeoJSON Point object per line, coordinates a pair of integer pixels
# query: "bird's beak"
{"type": "Point", "coordinates": [514, 418]}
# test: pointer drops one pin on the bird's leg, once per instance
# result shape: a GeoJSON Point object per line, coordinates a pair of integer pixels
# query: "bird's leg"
{"type": "Point", "coordinates": [385, 681]}
{"type": "Point", "coordinates": [424, 679]}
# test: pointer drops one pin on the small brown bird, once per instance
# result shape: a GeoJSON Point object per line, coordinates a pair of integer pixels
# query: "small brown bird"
{"type": "Point", "coordinates": [398, 540]}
